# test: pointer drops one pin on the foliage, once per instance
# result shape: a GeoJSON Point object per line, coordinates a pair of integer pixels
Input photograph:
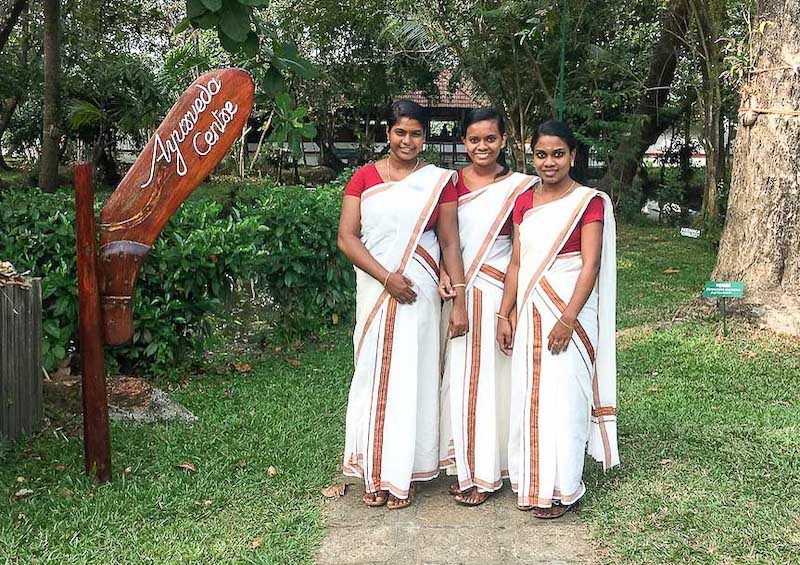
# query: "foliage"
{"type": "Point", "coordinates": [232, 19]}
{"type": "Point", "coordinates": [283, 237]}
{"type": "Point", "coordinates": [289, 125]}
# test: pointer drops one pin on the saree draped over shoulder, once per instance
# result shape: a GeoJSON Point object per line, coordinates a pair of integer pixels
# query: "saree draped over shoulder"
{"type": "Point", "coordinates": [476, 382]}
{"type": "Point", "coordinates": [562, 405]}
{"type": "Point", "coordinates": [392, 410]}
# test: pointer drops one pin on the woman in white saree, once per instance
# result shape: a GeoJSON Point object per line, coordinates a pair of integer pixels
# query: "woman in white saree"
{"type": "Point", "coordinates": [476, 383]}
{"type": "Point", "coordinates": [558, 313]}
{"type": "Point", "coordinates": [386, 229]}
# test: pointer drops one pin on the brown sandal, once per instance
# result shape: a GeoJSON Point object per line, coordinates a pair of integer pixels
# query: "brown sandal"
{"type": "Point", "coordinates": [395, 503]}
{"type": "Point", "coordinates": [555, 511]}
{"type": "Point", "coordinates": [375, 499]}
{"type": "Point", "coordinates": [465, 496]}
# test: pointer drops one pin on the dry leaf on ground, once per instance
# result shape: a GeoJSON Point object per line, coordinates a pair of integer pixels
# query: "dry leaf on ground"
{"type": "Point", "coordinates": [243, 367]}
{"type": "Point", "coordinates": [23, 492]}
{"type": "Point", "coordinates": [671, 271]}
{"type": "Point", "coordinates": [272, 471]}
{"type": "Point", "coordinates": [294, 362]}
{"type": "Point", "coordinates": [655, 389]}
{"type": "Point", "coordinates": [60, 468]}
{"type": "Point", "coordinates": [256, 542]}
{"type": "Point", "coordinates": [187, 466]}
{"type": "Point", "coordinates": [334, 491]}
{"type": "Point", "coordinates": [665, 462]}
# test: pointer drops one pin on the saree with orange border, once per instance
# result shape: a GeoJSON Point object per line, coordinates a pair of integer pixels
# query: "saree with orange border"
{"type": "Point", "coordinates": [562, 405]}
{"type": "Point", "coordinates": [393, 408]}
{"type": "Point", "coordinates": [476, 382]}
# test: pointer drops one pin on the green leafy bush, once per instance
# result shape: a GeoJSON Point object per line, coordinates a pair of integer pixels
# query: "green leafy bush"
{"type": "Point", "coordinates": [282, 237]}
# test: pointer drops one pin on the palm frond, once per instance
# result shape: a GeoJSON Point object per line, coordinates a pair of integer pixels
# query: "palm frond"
{"type": "Point", "coordinates": [84, 113]}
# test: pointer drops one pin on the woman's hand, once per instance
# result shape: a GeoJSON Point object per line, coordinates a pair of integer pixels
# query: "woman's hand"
{"type": "Point", "coordinates": [512, 318]}
{"type": "Point", "coordinates": [505, 335]}
{"type": "Point", "coordinates": [400, 288]}
{"type": "Point", "coordinates": [446, 290]}
{"type": "Point", "coordinates": [459, 323]}
{"type": "Point", "coordinates": [560, 336]}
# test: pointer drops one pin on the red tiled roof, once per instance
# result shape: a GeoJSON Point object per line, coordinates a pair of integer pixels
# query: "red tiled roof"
{"type": "Point", "coordinates": [464, 95]}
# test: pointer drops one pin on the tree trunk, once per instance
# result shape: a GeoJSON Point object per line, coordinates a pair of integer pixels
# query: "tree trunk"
{"type": "Point", "coordinates": [686, 153]}
{"type": "Point", "coordinates": [709, 17]}
{"type": "Point", "coordinates": [48, 162]}
{"type": "Point", "coordinates": [327, 152]}
{"type": "Point", "coordinates": [653, 117]}
{"type": "Point", "coordinates": [580, 171]}
{"type": "Point", "coordinates": [9, 108]}
{"type": "Point", "coordinates": [761, 241]}
{"type": "Point", "coordinates": [13, 17]}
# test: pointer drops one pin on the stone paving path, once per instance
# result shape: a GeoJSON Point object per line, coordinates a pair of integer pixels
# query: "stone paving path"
{"type": "Point", "coordinates": [437, 531]}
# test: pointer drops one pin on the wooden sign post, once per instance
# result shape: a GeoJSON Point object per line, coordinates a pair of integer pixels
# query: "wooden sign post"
{"type": "Point", "coordinates": [194, 137]}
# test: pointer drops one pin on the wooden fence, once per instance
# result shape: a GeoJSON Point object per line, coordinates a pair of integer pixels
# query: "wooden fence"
{"type": "Point", "coordinates": [20, 358]}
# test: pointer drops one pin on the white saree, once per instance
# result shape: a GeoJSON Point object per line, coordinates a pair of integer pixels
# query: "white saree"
{"type": "Point", "coordinates": [392, 410]}
{"type": "Point", "coordinates": [562, 405]}
{"type": "Point", "coordinates": [476, 384]}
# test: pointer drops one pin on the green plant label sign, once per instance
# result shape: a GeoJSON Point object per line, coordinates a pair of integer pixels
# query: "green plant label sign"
{"type": "Point", "coordinates": [724, 289]}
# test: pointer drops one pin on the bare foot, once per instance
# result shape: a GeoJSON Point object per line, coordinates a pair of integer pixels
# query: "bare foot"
{"type": "Point", "coordinates": [454, 489]}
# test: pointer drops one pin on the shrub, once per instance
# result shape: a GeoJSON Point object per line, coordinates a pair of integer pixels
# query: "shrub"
{"type": "Point", "coordinates": [283, 237]}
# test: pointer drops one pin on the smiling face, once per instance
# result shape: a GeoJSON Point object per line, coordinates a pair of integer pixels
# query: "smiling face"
{"type": "Point", "coordinates": [552, 159]}
{"type": "Point", "coordinates": [484, 142]}
{"type": "Point", "coordinates": [406, 137]}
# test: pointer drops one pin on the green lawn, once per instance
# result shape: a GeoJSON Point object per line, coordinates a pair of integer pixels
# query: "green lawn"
{"type": "Point", "coordinates": [709, 437]}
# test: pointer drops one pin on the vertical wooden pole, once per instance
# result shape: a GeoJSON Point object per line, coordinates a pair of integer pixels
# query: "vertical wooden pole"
{"type": "Point", "coordinates": [96, 442]}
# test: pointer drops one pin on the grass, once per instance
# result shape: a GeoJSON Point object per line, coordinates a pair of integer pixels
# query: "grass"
{"type": "Point", "coordinates": [231, 510]}
{"type": "Point", "coordinates": [709, 437]}
{"type": "Point", "coordinates": [709, 426]}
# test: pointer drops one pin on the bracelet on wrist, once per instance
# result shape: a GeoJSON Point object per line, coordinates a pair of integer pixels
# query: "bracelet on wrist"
{"type": "Point", "coordinates": [566, 325]}
{"type": "Point", "coordinates": [457, 285]}
{"type": "Point", "coordinates": [389, 274]}
{"type": "Point", "coordinates": [499, 315]}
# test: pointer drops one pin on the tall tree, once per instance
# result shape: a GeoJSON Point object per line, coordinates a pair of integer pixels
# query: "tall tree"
{"type": "Point", "coordinates": [652, 116]}
{"type": "Point", "coordinates": [15, 88]}
{"type": "Point", "coordinates": [761, 240]}
{"type": "Point", "coordinates": [51, 132]}
{"type": "Point", "coordinates": [710, 17]}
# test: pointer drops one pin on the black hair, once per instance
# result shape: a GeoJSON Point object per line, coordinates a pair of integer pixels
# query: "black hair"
{"type": "Point", "coordinates": [482, 114]}
{"type": "Point", "coordinates": [556, 129]}
{"type": "Point", "coordinates": [406, 109]}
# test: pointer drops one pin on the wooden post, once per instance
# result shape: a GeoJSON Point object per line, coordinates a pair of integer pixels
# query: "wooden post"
{"type": "Point", "coordinates": [96, 442]}
{"type": "Point", "coordinates": [20, 357]}
{"type": "Point", "coordinates": [161, 178]}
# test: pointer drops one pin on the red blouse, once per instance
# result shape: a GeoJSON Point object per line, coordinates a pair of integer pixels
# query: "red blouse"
{"type": "Point", "coordinates": [368, 176]}
{"type": "Point", "coordinates": [593, 213]}
{"type": "Point", "coordinates": [462, 189]}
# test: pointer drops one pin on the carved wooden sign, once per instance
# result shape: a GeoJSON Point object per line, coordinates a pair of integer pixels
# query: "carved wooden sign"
{"type": "Point", "coordinates": [191, 141]}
